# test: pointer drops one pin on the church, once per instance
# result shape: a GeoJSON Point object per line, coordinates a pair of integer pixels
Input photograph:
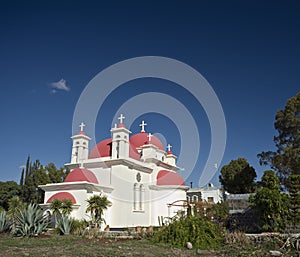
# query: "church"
{"type": "Point", "coordinates": [135, 172]}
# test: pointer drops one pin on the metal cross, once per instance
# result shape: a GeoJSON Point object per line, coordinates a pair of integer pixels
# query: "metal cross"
{"type": "Point", "coordinates": [169, 147]}
{"type": "Point", "coordinates": [82, 125]}
{"type": "Point", "coordinates": [121, 118]}
{"type": "Point", "coordinates": [149, 137]}
{"type": "Point", "coordinates": [143, 124]}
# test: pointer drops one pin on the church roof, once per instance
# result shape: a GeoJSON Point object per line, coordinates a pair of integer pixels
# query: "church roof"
{"type": "Point", "coordinates": [142, 138]}
{"type": "Point", "coordinates": [103, 148]}
{"type": "Point", "coordinates": [81, 174]}
{"type": "Point", "coordinates": [169, 178]}
{"type": "Point", "coordinates": [61, 196]}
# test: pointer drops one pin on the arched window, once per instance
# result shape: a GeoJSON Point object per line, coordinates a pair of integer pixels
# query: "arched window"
{"type": "Point", "coordinates": [188, 198]}
{"type": "Point", "coordinates": [135, 196]}
{"type": "Point", "coordinates": [142, 196]}
{"type": "Point", "coordinates": [195, 198]}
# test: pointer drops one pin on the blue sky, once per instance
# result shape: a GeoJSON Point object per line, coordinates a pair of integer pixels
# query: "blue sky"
{"type": "Point", "coordinates": [247, 50]}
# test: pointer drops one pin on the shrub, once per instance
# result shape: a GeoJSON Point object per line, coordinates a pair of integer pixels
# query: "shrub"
{"type": "Point", "coordinates": [30, 222]}
{"type": "Point", "coordinates": [5, 224]}
{"type": "Point", "coordinates": [201, 232]}
{"type": "Point", "coordinates": [65, 225]}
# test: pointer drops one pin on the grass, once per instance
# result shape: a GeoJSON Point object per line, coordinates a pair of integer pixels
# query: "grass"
{"type": "Point", "coordinates": [71, 245]}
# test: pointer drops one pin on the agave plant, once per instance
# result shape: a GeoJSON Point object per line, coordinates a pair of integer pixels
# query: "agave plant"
{"type": "Point", "coordinates": [65, 225]}
{"type": "Point", "coordinates": [5, 224]}
{"type": "Point", "coordinates": [31, 222]}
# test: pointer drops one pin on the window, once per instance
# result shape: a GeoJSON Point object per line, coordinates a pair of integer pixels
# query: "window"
{"type": "Point", "coordinates": [188, 198]}
{"type": "Point", "coordinates": [210, 199]}
{"type": "Point", "coordinates": [195, 198]}
{"type": "Point", "coordinates": [142, 193]}
{"type": "Point", "coordinates": [138, 197]}
{"type": "Point", "coordinates": [135, 196]}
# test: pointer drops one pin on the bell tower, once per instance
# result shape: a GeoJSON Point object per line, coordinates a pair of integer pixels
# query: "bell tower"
{"type": "Point", "coordinates": [120, 140]}
{"type": "Point", "coordinates": [80, 147]}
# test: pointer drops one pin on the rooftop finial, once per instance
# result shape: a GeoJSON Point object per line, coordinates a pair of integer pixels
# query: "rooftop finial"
{"type": "Point", "coordinates": [143, 124]}
{"type": "Point", "coordinates": [169, 147]}
{"type": "Point", "coordinates": [149, 137]}
{"type": "Point", "coordinates": [82, 125]}
{"type": "Point", "coordinates": [121, 118]}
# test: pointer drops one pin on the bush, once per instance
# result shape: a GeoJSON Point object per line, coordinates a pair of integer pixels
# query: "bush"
{"type": "Point", "coordinates": [65, 225]}
{"type": "Point", "coordinates": [30, 222]}
{"type": "Point", "coordinates": [201, 232]}
{"type": "Point", "coordinates": [5, 224]}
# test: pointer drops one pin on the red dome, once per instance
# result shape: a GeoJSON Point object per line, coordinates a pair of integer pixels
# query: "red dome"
{"type": "Point", "coordinates": [102, 149]}
{"type": "Point", "coordinates": [169, 178]}
{"type": "Point", "coordinates": [140, 139]}
{"type": "Point", "coordinates": [81, 174]}
{"type": "Point", "coordinates": [61, 196]}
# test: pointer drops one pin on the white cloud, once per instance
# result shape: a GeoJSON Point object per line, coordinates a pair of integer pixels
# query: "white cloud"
{"type": "Point", "coordinates": [59, 85]}
{"type": "Point", "coordinates": [22, 166]}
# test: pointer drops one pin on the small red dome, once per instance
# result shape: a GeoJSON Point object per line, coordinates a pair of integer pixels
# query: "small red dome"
{"type": "Point", "coordinates": [81, 132]}
{"type": "Point", "coordinates": [121, 125]}
{"type": "Point", "coordinates": [102, 149]}
{"type": "Point", "coordinates": [61, 196]}
{"type": "Point", "coordinates": [140, 139]}
{"type": "Point", "coordinates": [169, 178]}
{"type": "Point", "coordinates": [81, 174]}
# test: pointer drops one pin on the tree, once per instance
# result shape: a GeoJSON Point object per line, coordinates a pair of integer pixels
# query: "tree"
{"type": "Point", "coordinates": [56, 175]}
{"type": "Point", "coordinates": [36, 174]}
{"type": "Point", "coordinates": [15, 206]}
{"type": "Point", "coordinates": [66, 207]}
{"type": "Point", "coordinates": [294, 206]}
{"type": "Point", "coordinates": [8, 189]}
{"type": "Point", "coordinates": [237, 177]}
{"type": "Point", "coordinates": [96, 206]}
{"type": "Point", "coordinates": [286, 159]}
{"type": "Point", "coordinates": [55, 207]}
{"type": "Point", "coordinates": [270, 205]}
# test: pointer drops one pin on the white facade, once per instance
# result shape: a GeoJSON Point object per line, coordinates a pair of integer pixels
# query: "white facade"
{"type": "Point", "coordinates": [209, 194]}
{"type": "Point", "coordinates": [134, 171]}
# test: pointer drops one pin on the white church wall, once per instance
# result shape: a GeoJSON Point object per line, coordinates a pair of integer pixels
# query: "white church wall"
{"type": "Point", "coordinates": [129, 207]}
{"type": "Point", "coordinates": [102, 175]}
{"type": "Point", "coordinates": [160, 200]}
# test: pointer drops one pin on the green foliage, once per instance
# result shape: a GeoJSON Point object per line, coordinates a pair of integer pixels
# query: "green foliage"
{"type": "Point", "coordinates": [218, 212]}
{"type": "Point", "coordinates": [201, 232]}
{"type": "Point", "coordinates": [271, 206]}
{"type": "Point", "coordinates": [61, 207]}
{"type": "Point", "coordinates": [294, 206]}
{"type": "Point", "coordinates": [15, 206]}
{"type": "Point", "coordinates": [8, 189]}
{"type": "Point", "coordinates": [238, 176]}
{"type": "Point", "coordinates": [56, 175]}
{"type": "Point", "coordinates": [5, 224]}
{"type": "Point", "coordinates": [36, 174]}
{"type": "Point", "coordinates": [65, 225]}
{"type": "Point", "coordinates": [286, 159]}
{"type": "Point", "coordinates": [31, 222]}
{"type": "Point", "coordinates": [96, 206]}
{"type": "Point", "coordinates": [55, 207]}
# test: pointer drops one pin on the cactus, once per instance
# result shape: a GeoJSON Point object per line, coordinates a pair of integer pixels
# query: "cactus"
{"type": "Point", "coordinates": [5, 224]}
{"type": "Point", "coordinates": [30, 222]}
{"type": "Point", "coordinates": [65, 225]}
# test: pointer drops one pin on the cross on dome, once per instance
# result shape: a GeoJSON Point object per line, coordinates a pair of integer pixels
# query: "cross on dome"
{"type": "Point", "coordinates": [121, 118]}
{"type": "Point", "coordinates": [82, 125]}
{"type": "Point", "coordinates": [149, 137]}
{"type": "Point", "coordinates": [169, 147]}
{"type": "Point", "coordinates": [143, 124]}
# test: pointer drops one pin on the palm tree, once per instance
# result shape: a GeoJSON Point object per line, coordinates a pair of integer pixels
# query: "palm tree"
{"type": "Point", "coordinates": [55, 207]}
{"type": "Point", "coordinates": [96, 206]}
{"type": "Point", "coordinates": [66, 207]}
